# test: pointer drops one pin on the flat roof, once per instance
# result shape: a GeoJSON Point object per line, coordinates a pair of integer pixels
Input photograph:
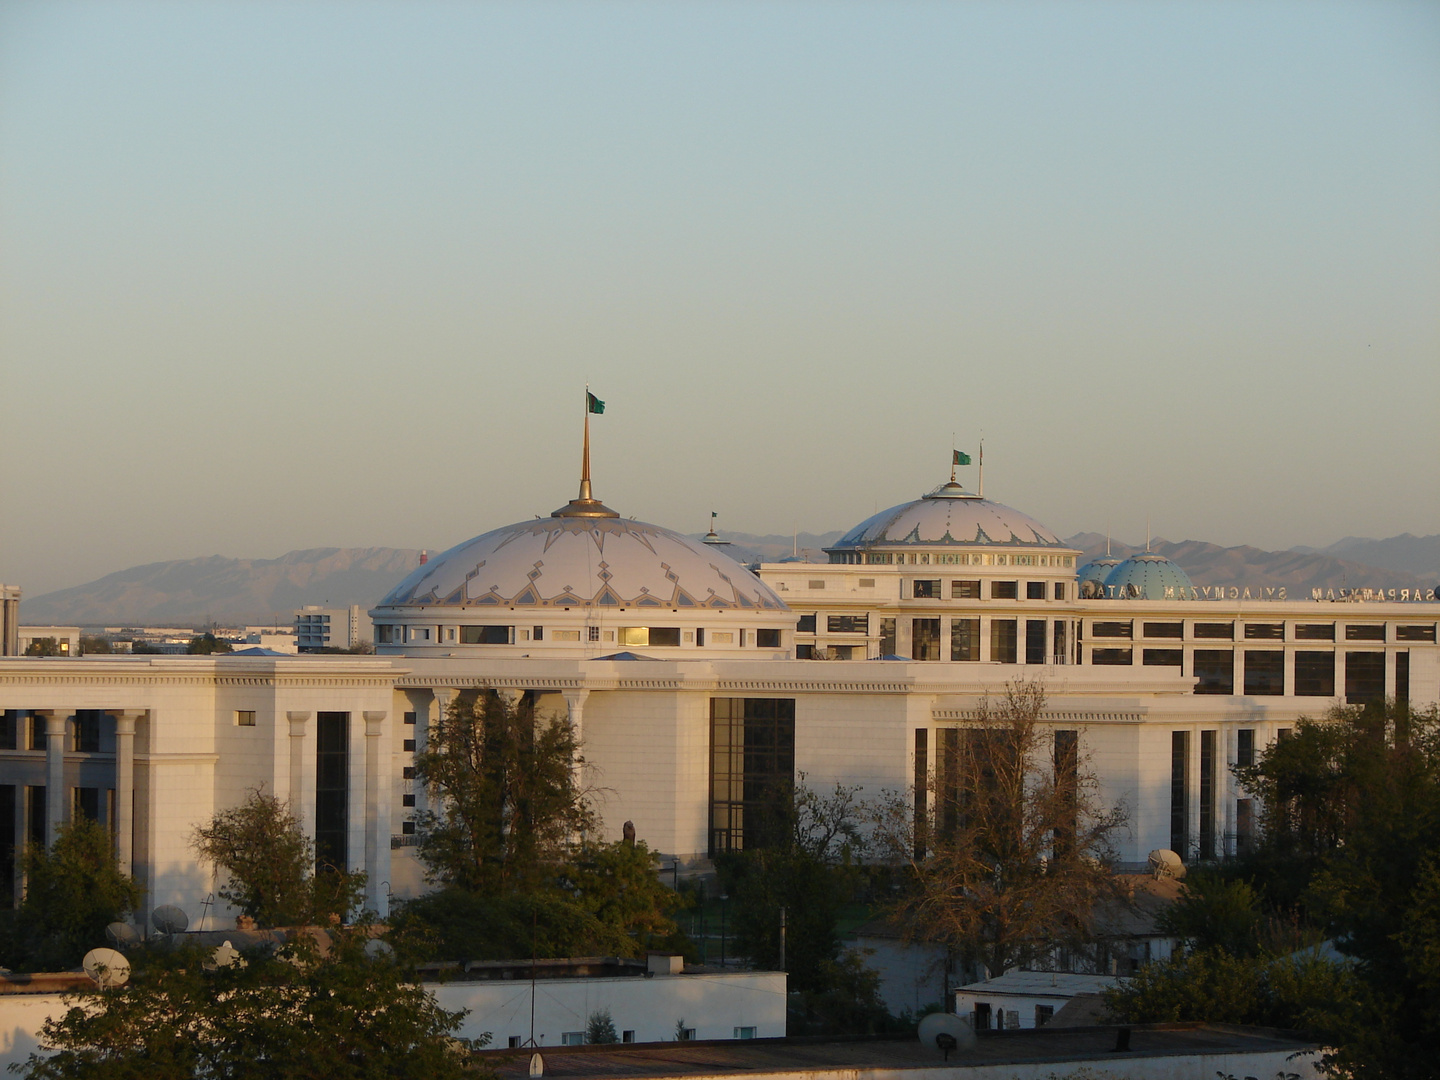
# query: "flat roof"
{"type": "Point", "coordinates": [802, 1055]}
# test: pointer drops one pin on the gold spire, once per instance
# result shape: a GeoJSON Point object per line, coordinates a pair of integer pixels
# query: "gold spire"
{"type": "Point", "coordinates": [585, 504]}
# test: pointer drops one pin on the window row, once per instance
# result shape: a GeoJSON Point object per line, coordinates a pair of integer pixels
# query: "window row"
{"type": "Point", "coordinates": [627, 636]}
{"type": "Point", "coordinates": [935, 589]}
{"type": "Point", "coordinates": [1263, 671]}
{"type": "Point", "coordinates": [950, 558]}
{"type": "Point", "coordinates": [1260, 631]}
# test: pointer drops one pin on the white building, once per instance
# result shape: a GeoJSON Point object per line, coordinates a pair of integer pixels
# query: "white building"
{"type": "Point", "coordinates": [318, 627]}
{"type": "Point", "coordinates": [687, 679]}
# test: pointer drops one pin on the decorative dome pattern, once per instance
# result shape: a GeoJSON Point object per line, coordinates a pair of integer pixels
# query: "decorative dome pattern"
{"type": "Point", "coordinates": [1148, 576]}
{"type": "Point", "coordinates": [949, 515]}
{"type": "Point", "coordinates": [604, 562]}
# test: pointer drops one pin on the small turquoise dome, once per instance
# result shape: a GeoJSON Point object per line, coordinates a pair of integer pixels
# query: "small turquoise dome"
{"type": "Point", "coordinates": [1148, 576]}
{"type": "Point", "coordinates": [1091, 578]}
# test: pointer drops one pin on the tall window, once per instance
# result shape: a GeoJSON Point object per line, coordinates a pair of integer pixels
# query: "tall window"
{"type": "Point", "coordinates": [1402, 678]}
{"type": "Point", "coordinates": [965, 639]}
{"type": "Point", "coordinates": [887, 637]}
{"type": "Point", "coordinates": [332, 790]}
{"type": "Point", "coordinates": [1003, 644]}
{"type": "Point", "coordinates": [752, 771]}
{"type": "Point", "coordinates": [925, 639]}
{"type": "Point", "coordinates": [1315, 674]}
{"type": "Point", "coordinates": [1207, 794]}
{"type": "Point", "coordinates": [1059, 642]}
{"type": "Point", "coordinates": [1035, 641]}
{"type": "Point", "coordinates": [7, 845]}
{"type": "Point", "coordinates": [1215, 668]}
{"type": "Point", "coordinates": [1364, 676]}
{"type": "Point", "coordinates": [922, 791]}
{"type": "Point", "coordinates": [1179, 803]}
{"type": "Point", "coordinates": [1067, 786]}
{"type": "Point", "coordinates": [1264, 672]}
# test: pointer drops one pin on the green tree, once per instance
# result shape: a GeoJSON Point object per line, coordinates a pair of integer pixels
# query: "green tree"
{"type": "Point", "coordinates": [290, 1012]}
{"type": "Point", "coordinates": [510, 798]}
{"type": "Point", "coordinates": [45, 646]}
{"type": "Point", "coordinates": [207, 644]}
{"type": "Point", "coordinates": [270, 865]}
{"type": "Point", "coordinates": [95, 646]}
{"type": "Point", "coordinates": [600, 1028]}
{"type": "Point", "coordinates": [1011, 854]}
{"type": "Point", "coordinates": [1214, 911]}
{"type": "Point", "coordinates": [72, 892]}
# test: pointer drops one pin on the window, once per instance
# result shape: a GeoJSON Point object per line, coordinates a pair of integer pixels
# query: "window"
{"type": "Point", "coordinates": [572, 1038]}
{"type": "Point", "coordinates": [699, 637]}
{"type": "Point", "coordinates": [925, 639]}
{"type": "Point", "coordinates": [1217, 631]}
{"type": "Point", "coordinates": [1364, 676]}
{"type": "Point", "coordinates": [87, 803]}
{"type": "Point", "coordinates": [1162, 657]}
{"type": "Point", "coordinates": [1215, 668]}
{"type": "Point", "coordinates": [1114, 657]}
{"type": "Point", "coordinates": [1164, 629]}
{"type": "Point", "coordinates": [650, 636]}
{"type": "Point", "coordinates": [1003, 643]}
{"type": "Point", "coordinates": [1315, 632]}
{"type": "Point", "coordinates": [921, 780]}
{"type": "Point", "coordinates": [1265, 631]}
{"type": "Point", "coordinates": [515, 1041]}
{"type": "Point", "coordinates": [37, 732]}
{"type": "Point", "coordinates": [1059, 642]}
{"type": "Point", "coordinates": [1044, 1013]}
{"type": "Point", "coordinates": [87, 731]}
{"type": "Point", "coordinates": [805, 625]}
{"type": "Point", "coordinates": [887, 637]}
{"type": "Point", "coordinates": [804, 652]}
{"type": "Point", "coordinates": [1034, 590]}
{"type": "Point", "coordinates": [1067, 786]}
{"type": "Point", "coordinates": [487, 635]}
{"type": "Point", "coordinates": [964, 590]}
{"type": "Point", "coordinates": [332, 789]}
{"type": "Point", "coordinates": [1365, 632]}
{"type": "Point", "coordinates": [1402, 677]}
{"type": "Point", "coordinates": [1112, 629]}
{"type": "Point", "coordinates": [965, 639]}
{"type": "Point", "coordinates": [847, 624]}
{"type": "Point", "coordinates": [1415, 633]}
{"type": "Point", "coordinates": [407, 773]}
{"type": "Point", "coordinates": [767, 639]}
{"type": "Point", "coordinates": [407, 828]}
{"type": "Point", "coordinates": [752, 771]}
{"type": "Point", "coordinates": [9, 730]}
{"type": "Point", "coordinates": [410, 719]}
{"type": "Point", "coordinates": [1314, 674]}
{"type": "Point", "coordinates": [1264, 672]}
{"type": "Point", "coordinates": [407, 800]}
{"type": "Point", "coordinates": [627, 1036]}
{"type": "Point", "coordinates": [1059, 590]}
{"type": "Point", "coordinates": [1245, 747]}
{"type": "Point", "coordinates": [687, 1034]}
{"type": "Point", "coordinates": [1244, 826]}
{"type": "Point", "coordinates": [35, 809]}
{"type": "Point", "coordinates": [1004, 590]}
{"type": "Point", "coordinates": [744, 1033]}
{"type": "Point", "coordinates": [245, 718]}
{"type": "Point", "coordinates": [537, 633]}
{"type": "Point", "coordinates": [1035, 641]}
{"type": "Point", "coordinates": [408, 746]}
{"type": "Point", "coordinates": [1207, 794]}
{"type": "Point", "coordinates": [926, 590]}
{"type": "Point", "coordinates": [1179, 801]}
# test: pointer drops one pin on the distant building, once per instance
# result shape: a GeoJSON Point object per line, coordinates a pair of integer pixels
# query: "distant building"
{"type": "Point", "coordinates": [9, 620]}
{"type": "Point", "coordinates": [66, 638]}
{"type": "Point", "coordinates": [318, 628]}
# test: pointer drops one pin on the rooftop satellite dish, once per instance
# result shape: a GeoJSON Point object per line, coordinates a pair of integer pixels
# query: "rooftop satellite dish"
{"type": "Point", "coordinates": [169, 919]}
{"type": "Point", "coordinates": [1164, 863]}
{"type": "Point", "coordinates": [226, 955]}
{"type": "Point", "coordinates": [537, 1067]}
{"type": "Point", "coordinates": [122, 934]}
{"type": "Point", "coordinates": [107, 967]}
{"type": "Point", "coordinates": [946, 1032]}
{"type": "Point", "coordinates": [376, 949]}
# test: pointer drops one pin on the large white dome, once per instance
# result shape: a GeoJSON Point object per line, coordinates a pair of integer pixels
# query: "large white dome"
{"type": "Point", "coordinates": [949, 515]}
{"type": "Point", "coordinates": [583, 562]}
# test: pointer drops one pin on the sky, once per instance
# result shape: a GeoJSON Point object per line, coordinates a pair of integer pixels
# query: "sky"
{"type": "Point", "coordinates": [303, 274]}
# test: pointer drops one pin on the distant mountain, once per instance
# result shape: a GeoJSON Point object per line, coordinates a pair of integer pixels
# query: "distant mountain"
{"type": "Point", "coordinates": [1299, 571]}
{"type": "Point", "coordinates": [1406, 553]}
{"type": "Point", "coordinates": [227, 591]}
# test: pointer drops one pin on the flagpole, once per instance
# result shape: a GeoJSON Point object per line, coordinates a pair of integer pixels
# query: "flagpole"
{"type": "Point", "coordinates": [982, 468]}
{"type": "Point", "coordinates": [585, 460]}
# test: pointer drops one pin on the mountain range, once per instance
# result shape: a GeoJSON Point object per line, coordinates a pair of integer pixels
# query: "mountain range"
{"type": "Point", "coordinates": [216, 589]}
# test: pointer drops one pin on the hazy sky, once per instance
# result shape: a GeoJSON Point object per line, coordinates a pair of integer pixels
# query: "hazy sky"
{"type": "Point", "coordinates": [306, 274]}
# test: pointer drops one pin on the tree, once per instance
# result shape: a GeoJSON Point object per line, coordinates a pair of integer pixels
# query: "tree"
{"type": "Point", "coordinates": [45, 646]}
{"type": "Point", "coordinates": [270, 865]}
{"type": "Point", "coordinates": [207, 644]}
{"type": "Point", "coordinates": [600, 1028]}
{"type": "Point", "coordinates": [510, 799]}
{"type": "Point", "coordinates": [290, 1011]}
{"type": "Point", "coordinates": [73, 891]}
{"type": "Point", "coordinates": [95, 646]}
{"type": "Point", "coordinates": [1009, 853]}
{"type": "Point", "coordinates": [1214, 912]}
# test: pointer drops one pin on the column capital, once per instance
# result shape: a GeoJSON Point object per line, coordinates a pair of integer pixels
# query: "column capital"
{"type": "Point", "coordinates": [576, 698]}
{"type": "Point", "coordinates": [374, 721]}
{"type": "Point", "coordinates": [54, 721]}
{"type": "Point", "coordinates": [297, 723]}
{"type": "Point", "coordinates": [125, 720]}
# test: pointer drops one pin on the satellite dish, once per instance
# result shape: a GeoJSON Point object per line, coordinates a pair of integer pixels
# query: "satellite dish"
{"type": "Point", "coordinates": [169, 919]}
{"type": "Point", "coordinates": [1164, 863]}
{"type": "Point", "coordinates": [226, 955]}
{"type": "Point", "coordinates": [122, 934]}
{"type": "Point", "coordinates": [946, 1032]}
{"type": "Point", "coordinates": [376, 949]}
{"type": "Point", "coordinates": [107, 967]}
{"type": "Point", "coordinates": [537, 1067]}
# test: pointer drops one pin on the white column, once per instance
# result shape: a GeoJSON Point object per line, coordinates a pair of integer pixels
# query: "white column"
{"type": "Point", "coordinates": [377, 815]}
{"type": "Point", "coordinates": [125, 787]}
{"type": "Point", "coordinates": [57, 810]}
{"type": "Point", "coordinates": [303, 813]}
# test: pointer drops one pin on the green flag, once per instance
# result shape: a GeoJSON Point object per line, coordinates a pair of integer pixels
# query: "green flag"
{"type": "Point", "coordinates": [962, 458]}
{"type": "Point", "coordinates": [593, 404]}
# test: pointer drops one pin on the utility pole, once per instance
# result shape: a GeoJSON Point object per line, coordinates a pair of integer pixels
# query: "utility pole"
{"type": "Point", "coordinates": [782, 939]}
